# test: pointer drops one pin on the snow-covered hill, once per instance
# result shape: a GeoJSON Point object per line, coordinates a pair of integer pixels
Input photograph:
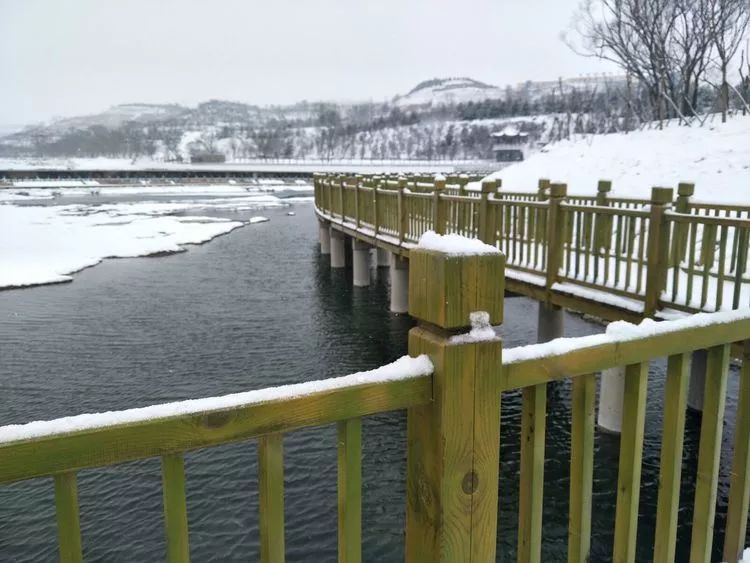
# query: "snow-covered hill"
{"type": "Point", "coordinates": [120, 114]}
{"type": "Point", "coordinates": [715, 157]}
{"type": "Point", "coordinates": [447, 91]}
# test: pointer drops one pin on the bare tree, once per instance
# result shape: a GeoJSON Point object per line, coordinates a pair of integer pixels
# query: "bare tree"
{"type": "Point", "coordinates": [728, 21]}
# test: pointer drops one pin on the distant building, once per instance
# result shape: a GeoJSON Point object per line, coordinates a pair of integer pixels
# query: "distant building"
{"type": "Point", "coordinates": [207, 157]}
{"type": "Point", "coordinates": [510, 144]}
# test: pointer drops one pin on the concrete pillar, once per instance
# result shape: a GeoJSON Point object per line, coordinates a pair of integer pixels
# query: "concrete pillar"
{"type": "Point", "coordinates": [611, 396]}
{"type": "Point", "coordinates": [361, 263]}
{"type": "Point", "coordinates": [324, 234]}
{"type": "Point", "coordinates": [697, 384]}
{"type": "Point", "coordinates": [399, 284]}
{"type": "Point", "coordinates": [338, 250]}
{"type": "Point", "coordinates": [550, 322]}
{"type": "Point", "coordinates": [384, 258]}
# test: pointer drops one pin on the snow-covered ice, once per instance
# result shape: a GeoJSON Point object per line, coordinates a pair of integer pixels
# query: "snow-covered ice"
{"type": "Point", "coordinates": [47, 244]}
{"type": "Point", "coordinates": [404, 368]}
{"type": "Point", "coordinates": [258, 219]}
{"type": "Point", "coordinates": [715, 157]}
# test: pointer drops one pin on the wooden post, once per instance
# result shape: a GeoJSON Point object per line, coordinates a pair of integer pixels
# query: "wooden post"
{"type": "Point", "coordinates": [603, 226]}
{"type": "Point", "coordinates": [341, 179]}
{"type": "Point", "coordinates": [402, 215]}
{"type": "Point", "coordinates": [438, 207]}
{"type": "Point", "coordinates": [356, 179]}
{"type": "Point", "coordinates": [486, 224]}
{"type": "Point", "coordinates": [453, 442]}
{"type": "Point", "coordinates": [375, 219]}
{"type": "Point", "coordinates": [555, 238]}
{"type": "Point", "coordinates": [543, 189]}
{"type": "Point", "coordinates": [657, 249]}
{"type": "Point", "coordinates": [680, 234]}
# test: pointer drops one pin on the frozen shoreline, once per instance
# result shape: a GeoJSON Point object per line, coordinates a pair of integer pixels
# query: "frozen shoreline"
{"type": "Point", "coordinates": [48, 244]}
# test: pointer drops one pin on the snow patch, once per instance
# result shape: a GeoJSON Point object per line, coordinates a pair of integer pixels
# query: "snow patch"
{"type": "Point", "coordinates": [454, 245]}
{"type": "Point", "coordinates": [258, 219]}
{"type": "Point", "coordinates": [481, 330]}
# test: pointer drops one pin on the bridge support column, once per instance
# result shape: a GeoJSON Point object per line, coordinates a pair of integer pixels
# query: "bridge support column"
{"type": "Point", "coordinates": [611, 396]}
{"type": "Point", "coordinates": [324, 234]}
{"type": "Point", "coordinates": [361, 263]}
{"type": "Point", "coordinates": [384, 258]}
{"type": "Point", "coordinates": [697, 380]}
{"type": "Point", "coordinates": [338, 249]}
{"type": "Point", "coordinates": [550, 322]}
{"type": "Point", "coordinates": [399, 284]}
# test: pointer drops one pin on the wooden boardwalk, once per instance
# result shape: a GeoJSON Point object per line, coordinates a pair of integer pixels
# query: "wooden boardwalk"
{"type": "Point", "coordinates": [615, 258]}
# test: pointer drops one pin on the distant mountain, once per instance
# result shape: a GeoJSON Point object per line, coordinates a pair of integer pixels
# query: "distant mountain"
{"type": "Point", "coordinates": [438, 118]}
{"type": "Point", "coordinates": [117, 116]}
{"type": "Point", "coordinates": [447, 91]}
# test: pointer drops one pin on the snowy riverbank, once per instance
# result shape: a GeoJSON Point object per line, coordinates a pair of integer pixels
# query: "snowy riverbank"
{"type": "Point", "coordinates": [42, 244]}
{"type": "Point", "coordinates": [715, 157]}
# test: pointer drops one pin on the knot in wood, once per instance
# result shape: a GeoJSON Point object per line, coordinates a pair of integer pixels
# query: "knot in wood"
{"type": "Point", "coordinates": [470, 482]}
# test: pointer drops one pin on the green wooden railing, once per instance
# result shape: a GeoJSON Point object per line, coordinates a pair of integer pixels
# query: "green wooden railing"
{"type": "Point", "coordinates": [453, 432]}
{"type": "Point", "coordinates": [664, 253]}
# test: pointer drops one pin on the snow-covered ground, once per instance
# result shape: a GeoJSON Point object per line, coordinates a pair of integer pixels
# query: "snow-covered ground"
{"type": "Point", "coordinates": [715, 157]}
{"type": "Point", "coordinates": [47, 244]}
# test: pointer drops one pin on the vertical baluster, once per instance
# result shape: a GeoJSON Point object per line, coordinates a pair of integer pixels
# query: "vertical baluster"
{"type": "Point", "coordinates": [534, 412]}
{"type": "Point", "coordinates": [271, 488]}
{"type": "Point", "coordinates": [742, 234]}
{"type": "Point", "coordinates": [175, 508]}
{"type": "Point", "coordinates": [691, 263]}
{"type": "Point", "coordinates": [739, 488]}
{"type": "Point", "coordinates": [631, 455]}
{"type": "Point", "coordinates": [720, 267]}
{"type": "Point", "coordinates": [629, 252]}
{"type": "Point", "coordinates": [618, 252]}
{"type": "Point", "coordinates": [68, 520]}
{"type": "Point", "coordinates": [350, 490]}
{"type": "Point", "coordinates": [712, 421]}
{"type": "Point", "coordinates": [675, 400]}
{"type": "Point", "coordinates": [581, 467]}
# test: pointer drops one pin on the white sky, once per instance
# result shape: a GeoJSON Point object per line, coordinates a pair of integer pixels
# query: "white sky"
{"type": "Point", "coordinates": [81, 56]}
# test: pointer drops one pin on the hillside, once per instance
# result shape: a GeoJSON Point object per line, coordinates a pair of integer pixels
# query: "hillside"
{"type": "Point", "coordinates": [449, 118]}
{"type": "Point", "coordinates": [447, 91]}
{"type": "Point", "coordinates": [714, 157]}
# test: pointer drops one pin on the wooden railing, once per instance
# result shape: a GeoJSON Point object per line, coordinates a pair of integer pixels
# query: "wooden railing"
{"type": "Point", "coordinates": [648, 255]}
{"type": "Point", "coordinates": [451, 389]}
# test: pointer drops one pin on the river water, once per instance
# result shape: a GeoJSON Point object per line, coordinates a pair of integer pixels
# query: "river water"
{"type": "Point", "coordinates": [256, 308]}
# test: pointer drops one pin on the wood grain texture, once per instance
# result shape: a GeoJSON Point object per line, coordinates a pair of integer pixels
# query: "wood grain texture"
{"type": "Point", "coordinates": [68, 519]}
{"type": "Point", "coordinates": [631, 455]}
{"type": "Point", "coordinates": [271, 497]}
{"type": "Point", "coordinates": [739, 488]}
{"type": "Point", "coordinates": [350, 490]}
{"type": "Point", "coordinates": [175, 508]}
{"type": "Point", "coordinates": [670, 466]}
{"type": "Point", "coordinates": [531, 487]}
{"type": "Point", "coordinates": [583, 411]}
{"type": "Point", "coordinates": [712, 422]}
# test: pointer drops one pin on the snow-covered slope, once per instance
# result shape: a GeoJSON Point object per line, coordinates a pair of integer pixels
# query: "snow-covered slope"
{"type": "Point", "coordinates": [715, 157]}
{"type": "Point", "coordinates": [118, 115]}
{"type": "Point", "coordinates": [448, 91]}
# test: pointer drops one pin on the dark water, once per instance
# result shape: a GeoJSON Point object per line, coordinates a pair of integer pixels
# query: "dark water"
{"type": "Point", "coordinates": [256, 308]}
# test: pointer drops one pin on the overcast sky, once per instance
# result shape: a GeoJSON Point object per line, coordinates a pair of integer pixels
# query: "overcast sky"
{"type": "Point", "coordinates": [81, 56]}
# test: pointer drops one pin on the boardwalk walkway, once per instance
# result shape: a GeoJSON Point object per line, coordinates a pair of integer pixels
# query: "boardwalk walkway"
{"type": "Point", "coordinates": [611, 257]}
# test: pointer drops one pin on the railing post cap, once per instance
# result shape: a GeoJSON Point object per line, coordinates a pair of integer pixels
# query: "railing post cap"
{"type": "Point", "coordinates": [402, 182]}
{"type": "Point", "coordinates": [685, 189]}
{"type": "Point", "coordinates": [489, 186]}
{"type": "Point", "coordinates": [604, 186]}
{"type": "Point", "coordinates": [662, 195]}
{"type": "Point", "coordinates": [543, 183]}
{"type": "Point", "coordinates": [445, 289]}
{"type": "Point", "coordinates": [558, 190]}
{"type": "Point", "coordinates": [439, 184]}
